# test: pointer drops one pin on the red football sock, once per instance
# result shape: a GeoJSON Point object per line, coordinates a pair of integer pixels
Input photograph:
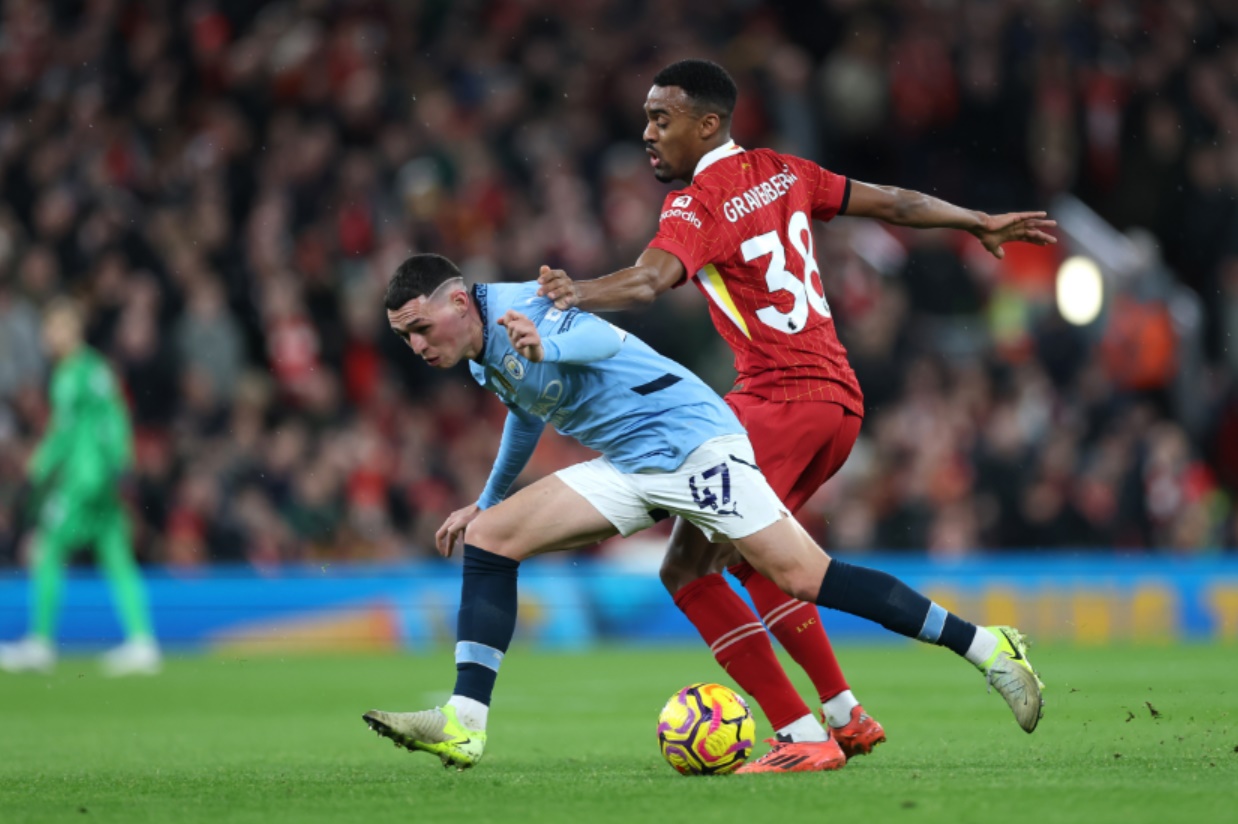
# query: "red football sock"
{"type": "Point", "coordinates": [797, 626]}
{"type": "Point", "coordinates": [741, 646]}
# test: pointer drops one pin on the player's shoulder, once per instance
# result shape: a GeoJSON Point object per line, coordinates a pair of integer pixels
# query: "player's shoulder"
{"type": "Point", "coordinates": [523, 298]}
{"type": "Point", "coordinates": [687, 197]}
{"type": "Point", "coordinates": [768, 160]}
{"type": "Point", "coordinates": [91, 362]}
{"type": "Point", "coordinates": [494, 294]}
{"type": "Point", "coordinates": [717, 184]}
{"type": "Point", "coordinates": [91, 370]}
{"type": "Point", "coordinates": [496, 298]}
{"type": "Point", "coordinates": [510, 293]}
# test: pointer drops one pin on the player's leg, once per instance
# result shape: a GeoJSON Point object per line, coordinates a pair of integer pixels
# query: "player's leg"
{"type": "Point", "coordinates": [733, 632]}
{"type": "Point", "coordinates": [139, 655]}
{"type": "Point", "coordinates": [546, 516]}
{"type": "Point", "coordinates": [789, 557]}
{"type": "Point", "coordinates": [733, 502]}
{"type": "Point", "coordinates": [54, 540]}
{"type": "Point", "coordinates": [690, 571]}
{"type": "Point", "coordinates": [796, 468]}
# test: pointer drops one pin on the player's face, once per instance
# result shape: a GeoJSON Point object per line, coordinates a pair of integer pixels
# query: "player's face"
{"type": "Point", "coordinates": [61, 333]}
{"type": "Point", "coordinates": [436, 326]}
{"type": "Point", "coordinates": [672, 135]}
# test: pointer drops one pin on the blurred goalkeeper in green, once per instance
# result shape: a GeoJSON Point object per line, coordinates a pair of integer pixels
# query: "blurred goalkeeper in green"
{"type": "Point", "coordinates": [75, 476]}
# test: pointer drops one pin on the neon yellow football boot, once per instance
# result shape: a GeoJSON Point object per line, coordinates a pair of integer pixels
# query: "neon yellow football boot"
{"type": "Point", "coordinates": [1009, 672]}
{"type": "Point", "coordinates": [437, 731]}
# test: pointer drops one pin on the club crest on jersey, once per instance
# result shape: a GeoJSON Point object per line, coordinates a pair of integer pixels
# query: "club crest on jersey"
{"type": "Point", "coordinates": [681, 201]}
{"type": "Point", "coordinates": [513, 366]}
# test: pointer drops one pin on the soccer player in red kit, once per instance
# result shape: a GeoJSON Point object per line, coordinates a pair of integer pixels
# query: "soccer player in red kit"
{"type": "Point", "coordinates": [742, 232]}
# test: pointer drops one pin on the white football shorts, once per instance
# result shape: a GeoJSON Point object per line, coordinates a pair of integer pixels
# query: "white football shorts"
{"type": "Point", "coordinates": [718, 488]}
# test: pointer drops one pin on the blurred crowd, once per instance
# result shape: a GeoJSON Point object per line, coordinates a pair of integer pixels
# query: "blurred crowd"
{"type": "Point", "coordinates": [228, 184]}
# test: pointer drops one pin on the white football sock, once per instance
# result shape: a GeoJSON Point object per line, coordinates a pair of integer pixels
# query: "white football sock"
{"type": "Point", "coordinates": [838, 709]}
{"type": "Point", "coordinates": [982, 646]}
{"type": "Point", "coordinates": [471, 712]}
{"type": "Point", "coordinates": [807, 728]}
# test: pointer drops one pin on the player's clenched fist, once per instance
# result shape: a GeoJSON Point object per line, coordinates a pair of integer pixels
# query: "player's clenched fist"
{"type": "Point", "coordinates": [523, 335]}
{"type": "Point", "coordinates": [556, 285]}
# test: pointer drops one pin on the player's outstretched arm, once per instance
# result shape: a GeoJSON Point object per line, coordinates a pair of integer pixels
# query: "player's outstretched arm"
{"type": "Point", "coordinates": [656, 270]}
{"type": "Point", "coordinates": [903, 207]}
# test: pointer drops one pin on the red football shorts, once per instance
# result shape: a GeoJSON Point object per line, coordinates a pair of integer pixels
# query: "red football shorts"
{"type": "Point", "coordinates": [799, 445]}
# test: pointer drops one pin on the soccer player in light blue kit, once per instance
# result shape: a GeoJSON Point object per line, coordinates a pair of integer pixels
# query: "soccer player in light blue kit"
{"type": "Point", "coordinates": [670, 446]}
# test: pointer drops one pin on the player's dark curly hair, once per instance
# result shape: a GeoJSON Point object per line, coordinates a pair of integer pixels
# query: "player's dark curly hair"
{"type": "Point", "coordinates": [418, 275]}
{"type": "Point", "coordinates": [706, 83]}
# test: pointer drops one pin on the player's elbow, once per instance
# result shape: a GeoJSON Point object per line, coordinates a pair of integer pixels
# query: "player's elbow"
{"type": "Point", "coordinates": [644, 297]}
{"type": "Point", "coordinates": [647, 287]}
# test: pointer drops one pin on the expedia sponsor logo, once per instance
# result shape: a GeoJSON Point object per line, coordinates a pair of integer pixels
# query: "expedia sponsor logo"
{"type": "Point", "coordinates": [681, 201]}
{"type": "Point", "coordinates": [682, 215]}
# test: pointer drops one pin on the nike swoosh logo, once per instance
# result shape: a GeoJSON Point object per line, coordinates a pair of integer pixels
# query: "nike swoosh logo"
{"type": "Point", "coordinates": [1018, 656]}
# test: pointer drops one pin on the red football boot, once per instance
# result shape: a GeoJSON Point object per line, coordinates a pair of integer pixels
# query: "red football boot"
{"type": "Point", "coordinates": [859, 735]}
{"type": "Point", "coordinates": [797, 756]}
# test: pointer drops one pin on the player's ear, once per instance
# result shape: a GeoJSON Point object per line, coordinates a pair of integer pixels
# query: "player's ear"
{"type": "Point", "coordinates": [708, 125]}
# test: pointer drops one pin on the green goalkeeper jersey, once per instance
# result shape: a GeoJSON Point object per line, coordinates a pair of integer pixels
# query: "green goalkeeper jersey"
{"type": "Point", "coordinates": [88, 443]}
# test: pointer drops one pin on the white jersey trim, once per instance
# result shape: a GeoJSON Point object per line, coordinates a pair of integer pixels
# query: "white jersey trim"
{"type": "Point", "coordinates": [712, 157]}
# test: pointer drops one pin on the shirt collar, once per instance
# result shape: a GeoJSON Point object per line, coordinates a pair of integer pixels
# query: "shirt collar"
{"type": "Point", "coordinates": [479, 298]}
{"type": "Point", "coordinates": [714, 155]}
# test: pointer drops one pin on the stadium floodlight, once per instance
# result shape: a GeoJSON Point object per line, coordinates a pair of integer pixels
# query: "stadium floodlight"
{"type": "Point", "coordinates": [1080, 290]}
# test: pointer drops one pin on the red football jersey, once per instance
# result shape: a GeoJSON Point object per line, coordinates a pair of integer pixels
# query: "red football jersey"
{"type": "Point", "coordinates": [743, 231]}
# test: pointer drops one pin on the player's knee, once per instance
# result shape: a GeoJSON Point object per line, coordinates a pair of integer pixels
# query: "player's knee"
{"type": "Point", "coordinates": [684, 564]}
{"type": "Point", "coordinates": [494, 538]}
{"type": "Point", "coordinates": [799, 583]}
{"type": "Point", "coordinates": [674, 575]}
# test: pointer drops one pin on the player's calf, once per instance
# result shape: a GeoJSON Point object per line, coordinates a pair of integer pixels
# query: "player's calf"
{"type": "Point", "coordinates": [787, 556]}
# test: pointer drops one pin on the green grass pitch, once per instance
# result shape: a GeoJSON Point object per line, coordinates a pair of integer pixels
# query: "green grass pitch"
{"type": "Point", "coordinates": [275, 739]}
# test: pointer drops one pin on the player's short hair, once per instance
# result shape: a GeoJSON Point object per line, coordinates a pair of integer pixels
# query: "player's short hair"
{"type": "Point", "coordinates": [418, 275]}
{"type": "Point", "coordinates": [706, 83]}
{"type": "Point", "coordinates": [65, 305]}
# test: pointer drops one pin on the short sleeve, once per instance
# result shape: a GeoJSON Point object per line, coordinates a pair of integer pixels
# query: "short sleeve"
{"type": "Point", "coordinates": [830, 192]}
{"type": "Point", "coordinates": [685, 228]}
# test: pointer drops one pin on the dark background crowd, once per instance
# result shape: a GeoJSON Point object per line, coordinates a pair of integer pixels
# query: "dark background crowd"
{"type": "Point", "coordinates": [227, 186]}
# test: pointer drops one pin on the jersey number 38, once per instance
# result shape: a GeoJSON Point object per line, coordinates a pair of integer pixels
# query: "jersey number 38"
{"type": "Point", "coordinates": [803, 291]}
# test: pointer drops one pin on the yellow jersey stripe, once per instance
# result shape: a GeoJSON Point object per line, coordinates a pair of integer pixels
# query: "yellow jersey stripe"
{"type": "Point", "coordinates": [715, 287]}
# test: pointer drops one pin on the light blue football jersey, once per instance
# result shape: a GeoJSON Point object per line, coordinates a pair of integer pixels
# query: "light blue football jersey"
{"type": "Point", "coordinates": [641, 410]}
